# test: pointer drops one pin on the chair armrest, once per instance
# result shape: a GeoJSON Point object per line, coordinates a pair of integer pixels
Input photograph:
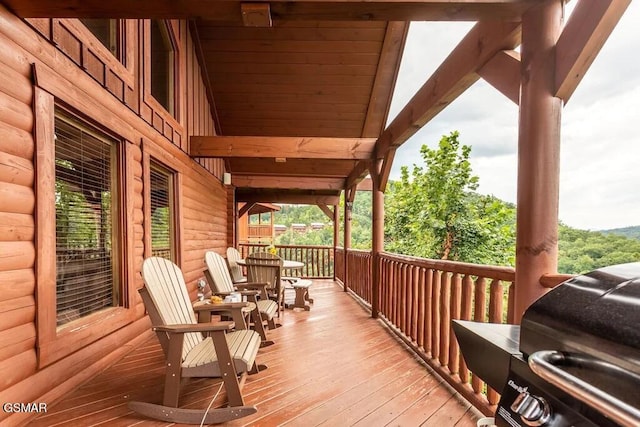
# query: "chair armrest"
{"type": "Point", "coordinates": [223, 306]}
{"type": "Point", "coordinates": [249, 292]}
{"type": "Point", "coordinates": [251, 285]}
{"type": "Point", "coordinates": [197, 327]}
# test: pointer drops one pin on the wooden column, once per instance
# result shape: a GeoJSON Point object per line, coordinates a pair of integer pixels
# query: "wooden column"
{"type": "Point", "coordinates": [377, 239]}
{"type": "Point", "coordinates": [348, 200]}
{"type": "Point", "coordinates": [538, 155]}
{"type": "Point", "coordinates": [336, 236]}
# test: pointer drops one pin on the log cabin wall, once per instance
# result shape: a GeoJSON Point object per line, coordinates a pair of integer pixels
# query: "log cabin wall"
{"type": "Point", "coordinates": [45, 62]}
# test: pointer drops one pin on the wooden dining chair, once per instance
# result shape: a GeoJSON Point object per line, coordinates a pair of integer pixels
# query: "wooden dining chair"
{"type": "Point", "coordinates": [266, 267]}
{"type": "Point", "coordinates": [261, 307]}
{"type": "Point", "coordinates": [234, 269]}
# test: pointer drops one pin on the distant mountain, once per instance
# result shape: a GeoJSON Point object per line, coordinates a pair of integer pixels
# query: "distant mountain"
{"type": "Point", "coordinates": [629, 232]}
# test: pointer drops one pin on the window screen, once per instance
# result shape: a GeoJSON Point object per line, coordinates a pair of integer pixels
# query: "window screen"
{"type": "Point", "coordinates": [161, 212]}
{"type": "Point", "coordinates": [86, 219]}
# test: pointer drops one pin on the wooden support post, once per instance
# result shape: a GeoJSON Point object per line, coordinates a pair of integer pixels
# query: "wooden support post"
{"type": "Point", "coordinates": [336, 236]}
{"type": "Point", "coordinates": [377, 236]}
{"type": "Point", "coordinates": [538, 155]}
{"type": "Point", "coordinates": [348, 204]}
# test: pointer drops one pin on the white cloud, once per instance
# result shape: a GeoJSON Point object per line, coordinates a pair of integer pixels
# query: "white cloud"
{"type": "Point", "coordinates": [600, 148]}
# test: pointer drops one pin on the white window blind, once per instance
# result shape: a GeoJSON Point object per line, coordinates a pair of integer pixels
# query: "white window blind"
{"type": "Point", "coordinates": [161, 212]}
{"type": "Point", "coordinates": [86, 200]}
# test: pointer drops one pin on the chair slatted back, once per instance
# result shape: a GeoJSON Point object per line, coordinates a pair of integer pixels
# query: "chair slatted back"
{"type": "Point", "coordinates": [232, 259]}
{"type": "Point", "coordinates": [264, 267]}
{"type": "Point", "coordinates": [168, 291]}
{"type": "Point", "coordinates": [219, 272]}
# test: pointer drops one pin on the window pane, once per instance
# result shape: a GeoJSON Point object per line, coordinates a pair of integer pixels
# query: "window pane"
{"type": "Point", "coordinates": [107, 31]}
{"type": "Point", "coordinates": [161, 213]}
{"type": "Point", "coordinates": [162, 66]}
{"type": "Point", "coordinates": [85, 198]}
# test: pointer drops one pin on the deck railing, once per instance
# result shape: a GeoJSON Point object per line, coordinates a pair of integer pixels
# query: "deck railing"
{"type": "Point", "coordinates": [317, 260]}
{"type": "Point", "coordinates": [418, 299]}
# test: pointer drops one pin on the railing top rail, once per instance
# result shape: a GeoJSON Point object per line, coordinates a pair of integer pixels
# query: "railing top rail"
{"type": "Point", "coordinates": [501, 273]}
{"type": "Point", "coordinates": [288, 246]}
{"type": "Point", "coordinates": [358, 251]}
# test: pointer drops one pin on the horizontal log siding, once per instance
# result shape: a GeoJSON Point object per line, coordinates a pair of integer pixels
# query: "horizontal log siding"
{"type": "Point", "coordinates": [202, 203]}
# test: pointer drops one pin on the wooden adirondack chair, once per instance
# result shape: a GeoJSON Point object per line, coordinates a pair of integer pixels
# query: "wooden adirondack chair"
{"type": "Point", "coordinates": [220, 281]}
{"type": "Point", "coordinates": [266, 267]}
{"type": "Point", "coordinates": [193, 349]}
{"type": "Point", "coordinates": [236, 271]}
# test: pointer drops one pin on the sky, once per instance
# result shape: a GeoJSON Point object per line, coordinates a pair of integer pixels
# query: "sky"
{"type": "Point", "coordinates": [600, 136]}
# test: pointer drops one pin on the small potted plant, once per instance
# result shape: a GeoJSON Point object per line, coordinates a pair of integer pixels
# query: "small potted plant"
{"type": "Point", "coordinates": [272, 250]}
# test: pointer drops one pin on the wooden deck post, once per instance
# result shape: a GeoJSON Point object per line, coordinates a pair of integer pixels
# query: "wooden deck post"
{"type": "Point", "coordinates": [348, 200]}
{"type": "Point", "coordinates": [377, 237]}
{"type": "Point", "coordinates": [336, 236]}
{"type": "Point", "coordinates": [538, 155]}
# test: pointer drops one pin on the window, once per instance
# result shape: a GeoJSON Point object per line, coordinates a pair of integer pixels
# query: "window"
{"type": "Point", "coordinates": [162, 66]}
{"type": "Point", "coordinates": [162, 212]}
{"type": "Point", "coordinates": [87, 219]}
{"type": "Point", "coordinates": [109, 33]}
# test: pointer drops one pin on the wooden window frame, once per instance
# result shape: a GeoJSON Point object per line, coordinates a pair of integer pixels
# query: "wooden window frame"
{"type": "Point", "coordinates": [173, 32]}
{"type": "Point", "coordinates": [54, 343]}
{"type": "Point", "coordinates": [152, 153]}
{"type": "Point", "coordinates": [127, 28]}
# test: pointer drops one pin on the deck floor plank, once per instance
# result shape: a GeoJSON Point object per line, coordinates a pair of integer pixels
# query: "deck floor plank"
{"type": "Point", "coordinates": [333, 365]}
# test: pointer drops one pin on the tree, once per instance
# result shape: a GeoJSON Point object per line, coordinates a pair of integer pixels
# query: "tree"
{"type": "Point", "coordinates": [435, 213]}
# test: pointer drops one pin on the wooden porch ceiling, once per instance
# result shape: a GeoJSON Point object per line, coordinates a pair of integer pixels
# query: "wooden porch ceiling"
{"type": "Point", "coordinates": [322, 69]}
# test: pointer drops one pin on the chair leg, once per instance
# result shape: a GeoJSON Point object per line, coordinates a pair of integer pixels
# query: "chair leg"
{"type": "Point", "coordinates": [227, 369]}
{"type": "Point", "coordinates": [173, 372]}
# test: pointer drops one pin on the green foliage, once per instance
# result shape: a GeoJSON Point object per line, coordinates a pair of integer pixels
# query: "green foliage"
{"type": "Point", "coordinates": [435, 213]}
{"type": "Point", "coordinates": [630, 232]}
{"type": "Point", "coordinates": [581, 251]}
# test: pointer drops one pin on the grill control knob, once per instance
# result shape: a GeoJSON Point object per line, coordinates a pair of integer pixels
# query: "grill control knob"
{"type": "Point", "coordinates": [533, 410]}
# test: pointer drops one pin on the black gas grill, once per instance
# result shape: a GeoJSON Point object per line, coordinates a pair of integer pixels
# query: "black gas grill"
{"type": "Point", "coordinates": [573, 361]}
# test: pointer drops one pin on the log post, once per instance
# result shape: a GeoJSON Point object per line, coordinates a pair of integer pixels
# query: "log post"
{"type": "Point", "coordinates": [336, 236]}
{"type": "Point", "coordinates": [538, 154]}
{"type": "Point", "coordinates": [348, 205]}
{"type": "Point", "coordinates": [377, 239]}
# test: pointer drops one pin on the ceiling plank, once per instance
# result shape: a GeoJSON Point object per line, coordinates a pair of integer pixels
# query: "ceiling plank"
{"type": "Point", "coordinates": [230, 10]}
{"type": "Point", "coordinates": [456, 74]}
{"type": "Point", "coordinates": [503, 73]}
{"type": "Point", "coordinates": [385, 79]}
{"type": "Point", "coordinates": [286, 147]}
{"type": "Point", "coordinates": [300, 183]}
{"type": "Point", "coordinates": [586, 31]}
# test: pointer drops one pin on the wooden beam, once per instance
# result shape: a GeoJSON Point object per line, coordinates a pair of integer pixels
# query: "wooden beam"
{"type": "Point", "coordinates": [328, 168]}
{"type": "Point", "coordinates": [244, 209]}
{"type": "Point", "coordinates": [357, 174]}
{"type": "Point", "coordinates": [301, 183]}
{"type": "Point", "coordinates": [282, 147]}
{"type": "Point", "coordinates": [256, 14]}
{"type": "Point", "coordinates": [385, 168]}
{"type": "Point", "coordinates": [230, 10]}
{"type": "Point", "coordinates": [503, 73]}
{"type": "Point", "coordinates": [456, 74]}
{"type": "Point", "coordinates": [283, 197]}
{"type": "Point", "coordinates": [327, 211]}
{"type": "Point", "coordinates": [385, 79]}
{"type": "Point", "coordinates": [585, 33]}
{"type": "Point", "coordinates": [365, 185]}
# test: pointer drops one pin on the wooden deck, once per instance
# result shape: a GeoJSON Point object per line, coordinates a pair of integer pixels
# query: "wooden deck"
{"type": "Point", "coordinates": [331, 366]}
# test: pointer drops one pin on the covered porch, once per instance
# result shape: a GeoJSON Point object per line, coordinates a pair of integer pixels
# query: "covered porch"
{"type": "Point", "coordinates": [332, 365]}
{"type": "Point", "coordinates": [291, 99]}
